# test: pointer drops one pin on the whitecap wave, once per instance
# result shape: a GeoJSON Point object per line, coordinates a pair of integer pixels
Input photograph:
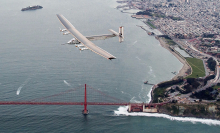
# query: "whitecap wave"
{"type": "Point", "coordinates": [151, 72]}
{"type": "Point", "coordinates": [25, 82]}
{"type": "Point", "coordinates": [134, 42]}
{"type": "Point", "coordinates": [133, 100]}
{"type": "Point", "coordinates": [138, 58]}
{"type": "Point", "coordinates": [122, 110]}
{"type": "Point", "coordinates": [66, 83]}
{"type": "Point", "coordinates": [19, 89]}
{"type": "Point", "coordinates": [149, 95]}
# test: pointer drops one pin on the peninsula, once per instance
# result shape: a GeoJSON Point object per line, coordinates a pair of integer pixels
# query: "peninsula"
{"type": "Point", "coordinates": [193, 27]}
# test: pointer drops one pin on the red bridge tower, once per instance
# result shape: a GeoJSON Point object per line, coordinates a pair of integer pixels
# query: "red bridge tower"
{"type": "Point", "coordinates": [85, 111]}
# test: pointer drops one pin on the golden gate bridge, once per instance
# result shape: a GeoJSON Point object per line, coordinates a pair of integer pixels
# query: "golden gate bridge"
{"type": "Point", "coordinates": [85, 103]}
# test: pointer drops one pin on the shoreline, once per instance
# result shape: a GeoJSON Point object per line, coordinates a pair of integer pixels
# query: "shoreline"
{"type": "Point", "coordinates": [208, 121]}
{"type": "Point", "coordinates": [181, 72]}
{"type": "Point", "coordinates": [185, 66]}
{"type": "Point", "coordinates": [185, 71]}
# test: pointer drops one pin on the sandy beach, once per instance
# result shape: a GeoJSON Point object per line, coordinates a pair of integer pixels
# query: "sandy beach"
{"type": "Point", "coordinates": [185, 67]}
{"type": "Point", "coordinates": [183, 70]}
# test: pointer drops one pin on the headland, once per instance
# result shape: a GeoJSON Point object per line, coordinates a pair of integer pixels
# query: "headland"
{"type": "Point", "coordinates": [195, 90]}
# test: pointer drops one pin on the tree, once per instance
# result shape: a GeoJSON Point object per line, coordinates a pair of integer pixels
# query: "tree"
{"type": "Point", "coordinates": [211, 64]}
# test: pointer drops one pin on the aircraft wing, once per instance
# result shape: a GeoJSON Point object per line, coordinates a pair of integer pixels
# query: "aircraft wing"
{"type": "Point", "coordinates": [101, 37]}
{"type": "Point", "coordinates": [69, 27]}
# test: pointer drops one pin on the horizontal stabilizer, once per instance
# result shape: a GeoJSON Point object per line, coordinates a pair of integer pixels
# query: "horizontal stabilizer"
{"type": "Point", "coordinates": [120, 34]}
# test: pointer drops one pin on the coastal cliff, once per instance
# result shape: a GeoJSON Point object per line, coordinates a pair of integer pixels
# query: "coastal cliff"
{"type": "Point", "coordinates": [197, 110]}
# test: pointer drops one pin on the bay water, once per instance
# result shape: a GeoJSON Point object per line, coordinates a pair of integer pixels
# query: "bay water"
{"type": "Point", "coordinates": [34, 64]}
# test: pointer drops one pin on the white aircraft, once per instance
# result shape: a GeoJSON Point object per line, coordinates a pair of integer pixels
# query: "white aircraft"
{"type": "Point", "coordinates": [84, 43]}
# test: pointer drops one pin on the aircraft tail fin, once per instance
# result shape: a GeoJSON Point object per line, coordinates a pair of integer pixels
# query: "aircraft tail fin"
{"type": "Point", "coordinates": [120, 34]}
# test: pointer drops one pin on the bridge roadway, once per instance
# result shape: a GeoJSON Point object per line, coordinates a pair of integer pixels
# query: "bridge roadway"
{"type": "Point", "coordinates": [72, 103]}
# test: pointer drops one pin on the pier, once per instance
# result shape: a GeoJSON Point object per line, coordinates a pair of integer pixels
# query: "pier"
{"type": "Point", "coordinates": [148, 32]}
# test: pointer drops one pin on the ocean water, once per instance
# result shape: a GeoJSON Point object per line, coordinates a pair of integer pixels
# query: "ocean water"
{"type": "Point", "coordinates": [34, 64]}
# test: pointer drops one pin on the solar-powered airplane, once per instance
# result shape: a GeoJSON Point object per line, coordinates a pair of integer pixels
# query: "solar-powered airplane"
{"type": "Point", "coordinates": [84, 43]}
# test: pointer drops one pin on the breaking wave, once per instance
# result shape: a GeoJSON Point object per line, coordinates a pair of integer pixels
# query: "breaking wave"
{"type": "Point", "coordinates": [149, 95]}
{"type": "Point", "coordinates": [123, 111]}
{"type": "Point", "coordinates": [66, 83]}
{"type": "Point", "coordinates": [19, 88]}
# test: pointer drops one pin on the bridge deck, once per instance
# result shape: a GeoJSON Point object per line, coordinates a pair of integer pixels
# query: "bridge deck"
{"type": "Point", "coordinates": [71, 103]}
